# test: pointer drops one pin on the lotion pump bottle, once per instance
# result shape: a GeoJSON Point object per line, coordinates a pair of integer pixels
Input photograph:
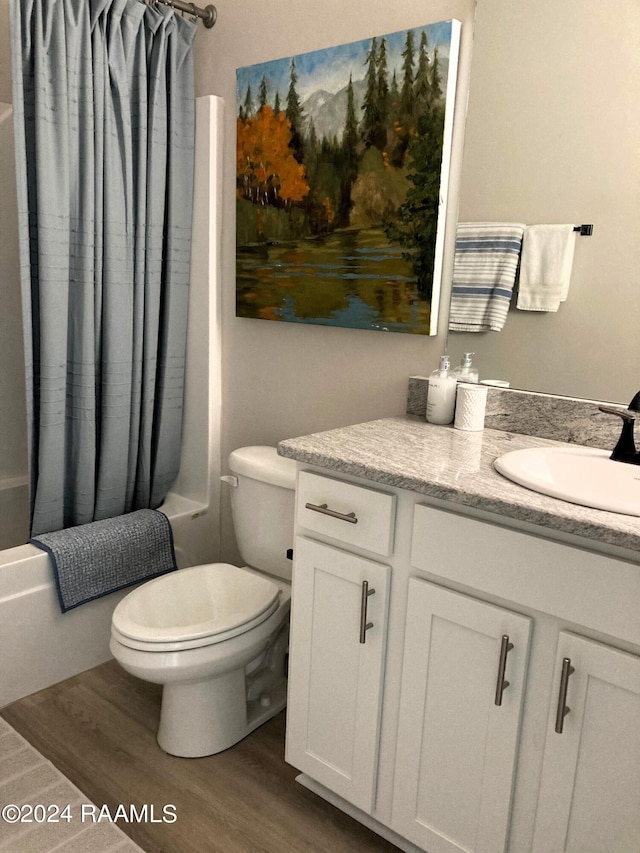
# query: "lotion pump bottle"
{"type": "Point", "coordinates": [465, 372]}
{"type": "Point", "coordinates": [441, 394]}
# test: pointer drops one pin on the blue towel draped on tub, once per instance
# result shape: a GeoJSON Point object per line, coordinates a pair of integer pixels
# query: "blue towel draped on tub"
{"type": "Point", "coordinates": [484, 273]}
{"type": "Point", "coordinates": [92, 560]}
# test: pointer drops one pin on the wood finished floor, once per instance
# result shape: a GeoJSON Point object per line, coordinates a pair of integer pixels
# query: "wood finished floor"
{"type": "Point", "coordinates": [98, 728]}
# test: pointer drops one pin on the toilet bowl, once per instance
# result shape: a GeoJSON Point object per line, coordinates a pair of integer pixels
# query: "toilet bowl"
{"type": "Point", "coordinates": [216, 635]}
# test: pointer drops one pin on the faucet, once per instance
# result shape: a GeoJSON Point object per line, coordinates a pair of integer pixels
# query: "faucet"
{"type": "Point", "coordinates": [625, 450]}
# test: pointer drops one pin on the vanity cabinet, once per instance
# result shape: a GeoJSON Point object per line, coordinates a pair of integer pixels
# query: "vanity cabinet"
{"type": "Point", "coordinates": [582, 706]}
{"type": "Point", "coordinates": [462, 689]}
{"type": "Point", "coordinates": [338, 637]}
{"type": "Point", "coordinates": [590, 785]}
{"type": "Point", "coordinates": [494, 706]}
{"type": "Point", "coordinates": [338, 634]}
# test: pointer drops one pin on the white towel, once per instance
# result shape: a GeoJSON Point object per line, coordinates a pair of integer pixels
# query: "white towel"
{"type": "Point", "coordinates": [545, 267]}
{"type": "Point", "coordinates": [484, 272]}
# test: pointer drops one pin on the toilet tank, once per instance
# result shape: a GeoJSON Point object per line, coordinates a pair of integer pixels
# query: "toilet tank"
{"type": "Point", "coordinates": [262, 505]}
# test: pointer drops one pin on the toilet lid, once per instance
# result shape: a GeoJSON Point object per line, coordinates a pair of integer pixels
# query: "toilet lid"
{"type": "Point", "coordinates": [216, 600]}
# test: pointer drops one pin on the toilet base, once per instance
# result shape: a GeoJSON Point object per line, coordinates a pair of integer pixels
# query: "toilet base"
{"type": "Point", "coordinates": [215, 695]}
{"type": "Point", "coordinates": [207, 717]}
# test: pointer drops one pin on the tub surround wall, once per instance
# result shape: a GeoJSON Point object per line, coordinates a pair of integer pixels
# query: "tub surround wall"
{"type": "Point", "coordinates": [14, 512]}
{"type": "Point", "coordinates": [197, 480]}
{"type": "Point", "coordinates": [569, 419]}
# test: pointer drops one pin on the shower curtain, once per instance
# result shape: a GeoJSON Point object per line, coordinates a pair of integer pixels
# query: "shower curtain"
{"type": "Point", "coordinates": [104, 124]}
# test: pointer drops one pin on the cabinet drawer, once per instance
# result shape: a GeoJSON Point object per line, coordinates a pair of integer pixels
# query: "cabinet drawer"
{"type": "Point", "coordinates": [349, 513]}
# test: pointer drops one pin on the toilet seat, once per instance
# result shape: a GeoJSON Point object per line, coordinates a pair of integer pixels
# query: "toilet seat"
{"type": "Point", "coordinates": [194, 607]}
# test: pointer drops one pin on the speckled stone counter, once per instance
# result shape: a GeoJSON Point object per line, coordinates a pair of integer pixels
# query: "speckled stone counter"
{"type": "Point", "coordinates": [457, 466]}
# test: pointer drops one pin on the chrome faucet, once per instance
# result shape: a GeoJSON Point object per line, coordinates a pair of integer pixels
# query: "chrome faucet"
{"type": "Point", "coordinates": [625, 450]}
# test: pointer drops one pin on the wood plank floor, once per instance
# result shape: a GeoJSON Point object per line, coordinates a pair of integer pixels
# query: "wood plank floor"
{"type": "Point", "coordinates": [98, 728]}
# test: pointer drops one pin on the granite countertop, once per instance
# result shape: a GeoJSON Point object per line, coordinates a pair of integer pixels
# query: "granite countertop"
{"type": "Point", "coordinates": [457, 466]}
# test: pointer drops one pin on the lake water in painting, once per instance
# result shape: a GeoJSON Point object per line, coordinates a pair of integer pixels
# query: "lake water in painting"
{"type": "Point", "coordinates": [350, 279]}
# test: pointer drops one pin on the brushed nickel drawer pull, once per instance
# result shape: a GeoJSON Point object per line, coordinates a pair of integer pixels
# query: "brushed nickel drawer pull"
{"type": "Point", "coordinates": [324, 509]}
{"type": "Point", "coordinates": [563, 708]}
{"type": "Point", "coordinates": [502, 683]}
{"type": "Point", "coordinates": [364, 625]}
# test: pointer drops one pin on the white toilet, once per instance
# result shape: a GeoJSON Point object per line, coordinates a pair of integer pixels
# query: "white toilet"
{"type": "Point", "coordinates": [216, 636]}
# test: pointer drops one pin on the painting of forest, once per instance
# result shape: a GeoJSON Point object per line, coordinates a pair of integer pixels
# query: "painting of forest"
{"type": "Point", "coordinates": [342, 170]}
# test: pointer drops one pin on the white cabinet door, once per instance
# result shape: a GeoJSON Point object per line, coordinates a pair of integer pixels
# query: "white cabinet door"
{"type": "Point", "coordinates": [590, 789]}
{"type": "Point", "coordinates": [456, 747]}
{"type": "Point", "coordinates": [335, 680]}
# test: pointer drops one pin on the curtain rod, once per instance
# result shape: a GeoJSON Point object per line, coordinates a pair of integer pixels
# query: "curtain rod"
{"type": "Point", "coordinates": [208, 14]}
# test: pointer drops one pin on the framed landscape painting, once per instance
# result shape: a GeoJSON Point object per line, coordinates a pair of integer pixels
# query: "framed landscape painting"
{"type": "Point", "coordinates": [342, 171]}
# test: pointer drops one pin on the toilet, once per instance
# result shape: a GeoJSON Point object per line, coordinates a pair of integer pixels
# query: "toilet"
{"type": "Point", "coordinates": [216, 636]}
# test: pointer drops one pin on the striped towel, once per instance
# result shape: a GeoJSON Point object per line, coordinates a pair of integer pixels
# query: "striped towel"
{"type": "Point", "coordinates": [484, 273]}
{"type": "Point", "coordinates": [92, 560]}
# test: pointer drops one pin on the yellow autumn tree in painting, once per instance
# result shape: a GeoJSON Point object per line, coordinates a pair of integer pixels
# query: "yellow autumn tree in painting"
{"type": "Point", "coordinates": [267, 171]}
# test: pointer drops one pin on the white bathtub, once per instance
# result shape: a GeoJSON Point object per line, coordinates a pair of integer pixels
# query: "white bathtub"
{"type": "Point", "coordinates": [39, 645]}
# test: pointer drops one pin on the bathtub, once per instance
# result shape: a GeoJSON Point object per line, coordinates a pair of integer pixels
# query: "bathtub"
{"type": "Point", "coordinates": [40, 645]}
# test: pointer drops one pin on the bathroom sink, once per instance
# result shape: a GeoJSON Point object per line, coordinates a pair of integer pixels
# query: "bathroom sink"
{"type": "Point", "coordinates": [581, 475]}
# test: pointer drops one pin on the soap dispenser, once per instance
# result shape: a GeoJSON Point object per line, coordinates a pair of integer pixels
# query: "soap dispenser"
{"type": "Point", "coordinates": [441, 394]}
{"type": "Point", "coordinates": [465, 372]}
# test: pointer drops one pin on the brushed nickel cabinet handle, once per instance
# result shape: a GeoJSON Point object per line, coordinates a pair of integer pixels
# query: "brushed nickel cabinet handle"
{"type": "Point", "coordinates": [563, 708]}
{"type": "Point", "coordinates": [364, 625]}
{"type": "Point", "coordinates": [324, 509]}
{"type": "Point", "coordinates": [502, 684]}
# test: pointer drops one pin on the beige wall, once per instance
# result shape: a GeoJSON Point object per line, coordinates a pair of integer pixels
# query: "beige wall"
{"type": "Point", "coordinates": [552, 135]}
{"type": "Point", "coordinates": [285, 379]}
{"type": "Point", "coordinates": [552, 132]}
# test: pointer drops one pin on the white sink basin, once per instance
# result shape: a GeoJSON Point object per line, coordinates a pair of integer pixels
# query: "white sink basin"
{"type": "Point", "coordinates": [581, 475]}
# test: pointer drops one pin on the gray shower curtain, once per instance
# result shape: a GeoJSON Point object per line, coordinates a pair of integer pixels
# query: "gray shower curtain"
{"type": "Point", "coordinates": [104, 124]}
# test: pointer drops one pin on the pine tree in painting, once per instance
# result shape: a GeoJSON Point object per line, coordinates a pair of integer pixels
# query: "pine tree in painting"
{"type": "Point", "coordinates": [349, 172]}
{"type": "Point", "coordinates": [295, 115]}
{"type": "Point", "coordinates": [262, 94]}
{"type": "Point", "coordinates": [422, 85]}
{"type": "Point", "coordinates": [370, 114]}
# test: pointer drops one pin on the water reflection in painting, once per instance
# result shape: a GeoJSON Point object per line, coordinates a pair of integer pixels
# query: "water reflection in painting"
{"type": "Point", "coordinates": [343, 279]}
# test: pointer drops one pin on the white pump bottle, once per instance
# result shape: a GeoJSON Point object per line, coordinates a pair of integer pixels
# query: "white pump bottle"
{"type": "Point", "coordinates": [466, 372]}
{"type": "Point", "coordinates": [441, 394]}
